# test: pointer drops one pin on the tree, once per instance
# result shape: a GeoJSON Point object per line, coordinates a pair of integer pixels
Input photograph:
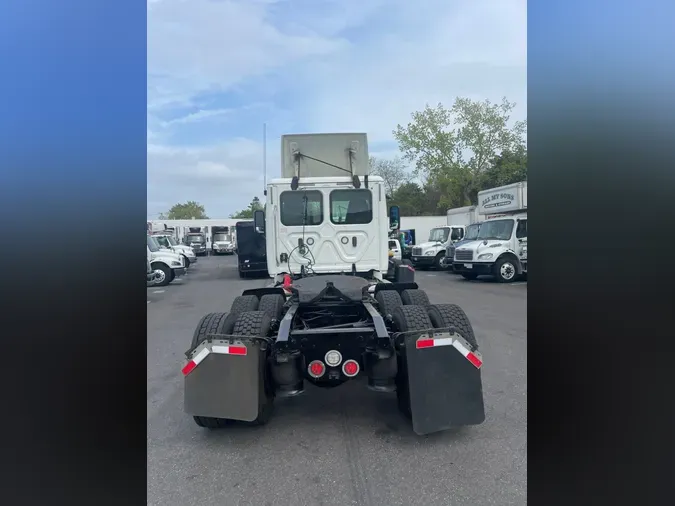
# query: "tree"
{"type": "Point", "coordinates": [187, 211]}
{"type": "Point", "coordinates": [507, 168]}
{"type": "Point", "coordinates": [453, 148]}
{"type": "Point", "coordinates": [393, 172]}
{"type": "Point", "coordinates": [247, 214]}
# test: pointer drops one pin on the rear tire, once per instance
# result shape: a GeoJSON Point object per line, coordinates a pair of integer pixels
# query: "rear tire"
{"type": "Point", "coordinates": [257, 324]}
{"type": "Point", "coordinates": [273, 303]}
{"type": "Point", "coordinates": [415, 297]}
{"type": "Point", "coordinates": [406, 319]}
{"type": "Point", "coordinates": [244, 303]}
{"type": "Point", "coordinates": [388, 301]}
{"type": "Point", "coordinates": [209, 324]}
{"type": "Point", "coordinates": [451, 315]}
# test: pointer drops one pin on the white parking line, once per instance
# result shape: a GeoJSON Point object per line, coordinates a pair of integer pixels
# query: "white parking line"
{"type": "Point", "coordinates": [148, 302]}
{"type": "Point", "coordinates": [158, 291]}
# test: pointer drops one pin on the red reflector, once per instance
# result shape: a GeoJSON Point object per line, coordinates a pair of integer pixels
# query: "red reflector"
{"type": "Point", "coordinates": [474, 359]}
{"type": "Point", "coordinates": [189, 367]}
{"type": "Point", "coordinates": [287, 281]}
{"type": "Point", "coordinates": [316, 368]}
{"type": "Point", "coordinates": [350, 368]}
{"type": "Point", "coordinates": [237, 350]}
{"type": "Point", "coordinates": [425, 343]}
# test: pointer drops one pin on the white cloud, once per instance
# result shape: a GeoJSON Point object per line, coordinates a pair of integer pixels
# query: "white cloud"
{"type": "Point", "coordinates": [331, 65]}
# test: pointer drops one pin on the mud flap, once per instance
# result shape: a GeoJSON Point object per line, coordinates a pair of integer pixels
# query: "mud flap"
{"type": "Point", "coordinates": [224, 378]}
{"type": "Point", "coordinates": [444, 381]}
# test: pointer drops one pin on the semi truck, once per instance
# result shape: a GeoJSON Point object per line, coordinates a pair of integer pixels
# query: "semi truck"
{"type": "Point", "coordinates": [222, 240]}
{"type": "Point", "coordinates": [500, 248]}
{"type": "Point", "coordinates": [432, 253]}
{"type": "Point", "coordinates": [329, 315]}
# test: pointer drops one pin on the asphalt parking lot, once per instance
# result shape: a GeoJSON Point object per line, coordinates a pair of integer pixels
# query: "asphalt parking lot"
{"type": "Point", "coordinates": [343, 446]}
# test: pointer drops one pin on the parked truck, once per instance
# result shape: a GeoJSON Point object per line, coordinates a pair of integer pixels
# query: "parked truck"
{"type": "Point", "coordinates": [222, 240]}
{"type": "Point", "coordinates": [432, 252]}
{"type": "Point", "coordinates": [165, 264]}
{"type": "Point", "coordinates": [196, 239]}
{"type": "Point", "coordinates": [329, 316]}
{"type": "Point", "coordinates": [251, 250]}
{"type": "Point", "coordinates": [500, 248]}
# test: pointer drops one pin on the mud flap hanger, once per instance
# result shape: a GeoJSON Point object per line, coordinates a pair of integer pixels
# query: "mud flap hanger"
{"type": "Point", "coordinates": [449, 336]}
{"type": "Point", "coordinates": [220, 344]}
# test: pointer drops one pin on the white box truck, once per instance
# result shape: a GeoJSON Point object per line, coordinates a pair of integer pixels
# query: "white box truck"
{"type": "Point", "coordinates": [500, 249]}
{"type": "Point", "coordinates": [432, 252]}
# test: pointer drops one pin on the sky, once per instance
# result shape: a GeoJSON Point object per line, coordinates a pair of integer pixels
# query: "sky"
{"type": "Point", "coordinates": [220, 69]}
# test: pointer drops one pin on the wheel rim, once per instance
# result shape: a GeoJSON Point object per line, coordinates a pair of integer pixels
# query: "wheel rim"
{"type": "Point", "coordinates": [507, 270]}
{"type": "Point", "coordinates": [160, 276]}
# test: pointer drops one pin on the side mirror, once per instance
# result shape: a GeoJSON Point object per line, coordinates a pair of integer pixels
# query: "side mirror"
{"type": "Point", "coordinates": [259, 221]}
{"type": "Point", "coordinates": [394, 217]}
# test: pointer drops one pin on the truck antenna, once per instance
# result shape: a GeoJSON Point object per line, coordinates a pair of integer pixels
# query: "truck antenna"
{"type": "Point", "coordinates": [265, 158]}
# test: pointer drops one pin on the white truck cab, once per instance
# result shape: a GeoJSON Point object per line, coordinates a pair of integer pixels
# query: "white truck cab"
{"type": "Point", "coordinates": [166, 264]}
{"type": "Point", "coordinates": [168, 242]}
{"type": "Point", "coordinates": [431, 253]}
{"type": "Point", "coordinates": [500, 249]}
{"type": "Point", "coordinates": [325, 215]}
{"type": "Point", "coordinates": [395, 248]}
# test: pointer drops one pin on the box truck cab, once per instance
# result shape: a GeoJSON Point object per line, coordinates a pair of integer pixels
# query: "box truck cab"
{"type": "Point", "coordinates": [196, 239]}
{"type": "Point", "coordinates": [165, 264]}
{"type": "Point", "coordinates": [222, 240]}
{"type": "Point", "coordinates": [470, 235]}
{"type": "Point", "coordinates": [167, 242]}
{"type": "Point", "coordinates": [500, 249]}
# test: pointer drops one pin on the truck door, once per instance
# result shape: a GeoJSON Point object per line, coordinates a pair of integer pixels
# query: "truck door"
{"type": "Point", "coordinates": [521, 240]}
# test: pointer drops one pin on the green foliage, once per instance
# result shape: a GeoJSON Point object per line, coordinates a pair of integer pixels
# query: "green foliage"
{"type": "Point", "coordinates": [187, 211]}
{"type": "Point", "coordinates": [247, 214]}
{"type": "Point", "coordinates": [456, 151]}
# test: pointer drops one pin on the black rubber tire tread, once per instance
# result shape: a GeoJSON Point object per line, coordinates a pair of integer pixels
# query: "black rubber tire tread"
{"type": "Point", "coordinates": [207, 325]}
{"type": "Point", "coordinates": [406, 319]}
{"type": "Point", "coordinates": [257, 324]}
{"type": "Point", "coordinates": [469, 275]}
{"type": "Point", "coordinates": [388, 301]}
{"type": "Point", "coordinates": [415, 297]}
{"type": "Point", "coordinates": [244, 303]}
{"type": "Point", "coordinates": [252, 324]}
{"type": "Point", "coordinates": [273, 303]}
{"type": "Point", "coordinates": [451, 315]}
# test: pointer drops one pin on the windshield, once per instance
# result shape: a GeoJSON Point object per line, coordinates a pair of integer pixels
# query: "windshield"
{"type": "Point", "coordinates": [472, 232]}
{"type": "Point", "coordinates": [439, 234]}
{"type": "Point", "coordinates": [221, 236]}
{"type": "Point", "coordinates": [163, 241]}
{"type": "Point", "coordinates": [497, 229]}
{"type": "Point", "coordinates": [152, 244]}
{"type": "Point", "coordinates": [194, 238]}
{"type": "Point", "coordinates": [172, 241]}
